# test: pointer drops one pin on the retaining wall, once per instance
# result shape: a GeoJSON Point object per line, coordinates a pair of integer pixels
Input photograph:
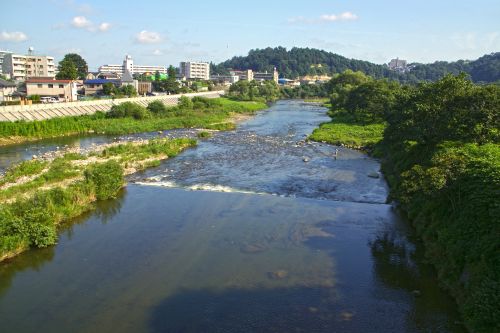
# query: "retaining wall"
{"type": "Point", "coordinates": [47, 111]}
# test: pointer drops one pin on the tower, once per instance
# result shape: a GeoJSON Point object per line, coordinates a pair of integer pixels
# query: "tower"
{"type": "Point", "coordinates": [128, 64]}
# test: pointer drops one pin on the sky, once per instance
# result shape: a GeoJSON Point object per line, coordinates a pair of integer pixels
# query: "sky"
{"type": "Point", "coordinates": [169, 31]}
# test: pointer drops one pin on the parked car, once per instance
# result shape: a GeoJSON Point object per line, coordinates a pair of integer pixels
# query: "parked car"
{"type": "Point", "coordinates": [48, 99]}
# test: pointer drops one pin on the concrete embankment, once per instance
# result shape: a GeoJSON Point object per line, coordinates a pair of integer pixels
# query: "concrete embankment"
{"type": "Point", "coordinates": [47, 111]}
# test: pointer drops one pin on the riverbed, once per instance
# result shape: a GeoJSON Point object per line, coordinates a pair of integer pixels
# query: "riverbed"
{"type": "Point", "coordinates": [255, 230]}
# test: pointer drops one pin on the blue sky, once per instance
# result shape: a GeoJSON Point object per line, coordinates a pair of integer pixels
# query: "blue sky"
{"type": "Point", "coordinates": [166, 32]}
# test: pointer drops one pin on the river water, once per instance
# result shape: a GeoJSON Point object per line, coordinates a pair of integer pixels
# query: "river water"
{"type": "Point", "coordinates": [252, 231]}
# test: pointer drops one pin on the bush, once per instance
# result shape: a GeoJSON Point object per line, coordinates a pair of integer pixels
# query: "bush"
{"type": "Point", "coordinates": [157, 107]}
{"type": "Point", "coordinates": [128, 109]}
{"type": "Point", "coordinates": [185, 103]}
{"type": "Point", "coordinates": [107, 178]}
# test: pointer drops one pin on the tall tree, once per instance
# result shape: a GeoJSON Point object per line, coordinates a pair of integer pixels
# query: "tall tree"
{"type": "Point", "coordinates": [67, 70]}
{"type": "Point", "coordinates": [80, 64]}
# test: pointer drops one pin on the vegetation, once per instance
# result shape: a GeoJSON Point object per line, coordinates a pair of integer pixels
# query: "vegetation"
{"type": "Point", "coordinates": [132, 118]}
{"type": "Point", "coordinates": [441, 156]}
{"type": "Point", "coordinates": [266, 91]}
{"type": "Point", "coordinates": [169, 85]}
{"type": "Point", "coordinates": [306, 61]}
{"type": "Point", "coordinates": [69, 64]}
{"type": "Point", "coordinates": [65, 187]}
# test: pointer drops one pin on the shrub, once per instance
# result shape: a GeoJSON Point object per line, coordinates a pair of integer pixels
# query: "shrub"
{"type": "Point", "coordinates": [107, 178]}
{"type": "Point", "coordinates": [157, 107]}
{"type": "Point", "coordinates": [185, 103]}
{"type": "Point", "coordinates": [128, 109]}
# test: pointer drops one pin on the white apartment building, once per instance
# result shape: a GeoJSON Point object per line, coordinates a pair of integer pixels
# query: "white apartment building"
{"type": "Point", "coordinates": [22, 67]}
{"type": "Point", "coordinates": [195, 70]}
{"type": "Point", "coordinates": [128, 64]}
{"type": "Point", "coordinates": [2, 55]}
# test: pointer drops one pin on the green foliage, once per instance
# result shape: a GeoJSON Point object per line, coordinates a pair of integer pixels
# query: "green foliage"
{"type": "Point", "coordinates": [107, 178]}
{"type": "Point", "coordinates": [128, 109]}
{"type": "Point", "coordinates": [452, 108]}
{"type": "Point", "coordinates": [80, 64]}
{"type": "Point", "coordinates": [204, 135]}
{"type": "Point", "coordinates": [67, 70]}
{"type": "Point", "coordinates": [307, 61]}
{"type": "Point", "coordinates": [157, 107]}
{"type": "Point", "coordinates": [185, 103]}
{"type": "Point", "coordinates": [25, 168]}
{"type": "Point", "coordinates": [267, 91]}
{"type": "Point", "coordinates": [442, 159]}
{"type": "Point", "coordinates": [35, 98]}
{"type": "Point", "coordinates": [108, 88]}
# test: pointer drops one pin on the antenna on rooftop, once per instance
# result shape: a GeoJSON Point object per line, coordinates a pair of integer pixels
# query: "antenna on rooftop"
{"type": "Point", "coordinates": [31, 50]}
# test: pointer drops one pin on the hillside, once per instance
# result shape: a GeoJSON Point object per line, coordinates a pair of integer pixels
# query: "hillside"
{"type": "Point", "coordinates": [306, 61]}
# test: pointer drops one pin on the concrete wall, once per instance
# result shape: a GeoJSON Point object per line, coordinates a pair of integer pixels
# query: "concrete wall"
{"type": "Point", "coordinates": [47, 111]}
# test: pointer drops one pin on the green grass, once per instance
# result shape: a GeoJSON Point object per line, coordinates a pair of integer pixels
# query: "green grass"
{"type": "Point", "coordinates": [343, 130]}
{"type": "Point", "coordinates": [209, 117]}
{"type": "Point", "coordinates": [204, 135]}
{"type": "Point", "coordinates": [26, 168]}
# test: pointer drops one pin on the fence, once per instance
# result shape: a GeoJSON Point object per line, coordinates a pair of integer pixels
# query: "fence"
{"type": "Point", "coordinates": [47, 111]}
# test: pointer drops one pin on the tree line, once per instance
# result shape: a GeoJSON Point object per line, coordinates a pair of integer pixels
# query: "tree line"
{"type": "Point", "coordinates": [298, 62]}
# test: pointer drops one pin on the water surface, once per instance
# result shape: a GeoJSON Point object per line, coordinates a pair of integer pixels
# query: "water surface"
{"type": "Point", "coordinates": [282, 237]}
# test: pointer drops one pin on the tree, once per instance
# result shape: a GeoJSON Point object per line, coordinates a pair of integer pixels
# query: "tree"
{"type": "Point", "coordinates": [108, 88]}
{"type": "Point", "coordinates": [67, 70]}
{"type": "Point", "coordinates": [81, 65]}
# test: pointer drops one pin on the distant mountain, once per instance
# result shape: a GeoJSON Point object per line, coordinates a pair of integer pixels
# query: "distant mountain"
{"type": "Point", "coordinates": [306, 61]}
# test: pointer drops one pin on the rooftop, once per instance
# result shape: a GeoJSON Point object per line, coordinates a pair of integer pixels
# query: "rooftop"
{"type": "Point", "coordinates": [47, 80]}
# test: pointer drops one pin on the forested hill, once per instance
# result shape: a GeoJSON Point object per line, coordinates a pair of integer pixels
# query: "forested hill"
{"type": "Point", "coordinates": [304, 61]}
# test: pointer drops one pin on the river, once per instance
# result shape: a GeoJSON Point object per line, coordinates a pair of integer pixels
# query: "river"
{"type": "Point", "coordinates": [254, 230]}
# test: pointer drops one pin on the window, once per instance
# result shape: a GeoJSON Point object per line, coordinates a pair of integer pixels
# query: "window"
{"type": "Point", "coordinates": [39, 85]}
{"type": "Point", "coordinates": [61, 86]}
{"type": "Point", "coordinates": [91, 86]}
{"type": "Point", "coordinates": [51, 86]}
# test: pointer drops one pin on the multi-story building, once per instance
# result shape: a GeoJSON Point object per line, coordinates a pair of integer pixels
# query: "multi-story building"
{"type": "Point", "coordinates": [22, 67]}
{"type": "Point", "coordinates": [195, 70]}
{"type": "Point", "coordinates": [224, 79]}
{"type": "Point", "coordinates": [272, 76]}
{"type": "Point", "coordinates": [65, 90]}
{"type": "Point", "coordinates": [128, 64]}
{"type": "Point", "coordinates": [7, 90]}
{"type": "Point", "coordinates": [246, 75]}
{"type": "Point", "coordinates": [250, 75]}
{"type": "Point", "coordinates": [2, 55]}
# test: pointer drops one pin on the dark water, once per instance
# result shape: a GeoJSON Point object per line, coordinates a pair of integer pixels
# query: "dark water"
{"type": "Point", "coordinates": [323, 254]}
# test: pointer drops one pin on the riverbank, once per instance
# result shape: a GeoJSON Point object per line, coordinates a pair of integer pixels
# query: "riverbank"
{"type": "Point", "coordinates": [216, 114]}
{"type": "Point", "coordinates": [37, 195]}
{"type": "Point", "coordinates": [449, 192]}
{"type": "Point", "coordinates": [343, 130]}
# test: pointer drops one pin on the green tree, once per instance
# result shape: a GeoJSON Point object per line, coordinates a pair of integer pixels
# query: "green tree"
{"type": "Point", "coordinates": [80, 63]}
{"type": "Point", "coordinates": [67, 70]}
{"type": "Point", "coordinates": [108, 88]}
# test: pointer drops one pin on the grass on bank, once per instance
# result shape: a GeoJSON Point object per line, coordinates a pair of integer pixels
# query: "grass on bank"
{"type": "Point", "coordinates": [200, 113]}
{"type": "Point", "coordinates": [344, 130]}
{"type": "Point", "coordinates": [66, 187]}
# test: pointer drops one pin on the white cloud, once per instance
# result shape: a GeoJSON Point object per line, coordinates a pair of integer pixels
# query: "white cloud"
{"type": "Point", "coordinates": [346, 16]}
{"type": "Point", "coordinates": [148, 37]}
{"type": "Point", "coordinates": [157, 52]}
{"type": "Point", "coordinates": [104, 26]}
{"type": "Point", "coordinates": [13, 36]}
{"type": "Point", "coordinates": [81, 22]}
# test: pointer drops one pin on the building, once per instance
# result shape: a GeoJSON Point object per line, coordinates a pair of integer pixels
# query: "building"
{"type": "Point", "coordinates": [195, 70]}
{"type": "Point", "coordinates": [144, 87]}
{"type": "Point", "coordinates": [22, 67]}
{"type": "Point", "coordinates": [250, 75]}
{"type": "Point", "coordinates": [128, 64]}
{"type": "Point", "coordinates": [95, 87]}
{"type": "Point", "coordinates": [273, 76]}
{"type": "Point", "coordinates": [398, 65]}
{"type": "Point", "coordinates": [65, 90]}
{"type": "Point", "coordinates": [226, 80]}
{"type": "Point", "coordinates": [2, 55]}
{"type": "Point", "coordinates": [7, 91]}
